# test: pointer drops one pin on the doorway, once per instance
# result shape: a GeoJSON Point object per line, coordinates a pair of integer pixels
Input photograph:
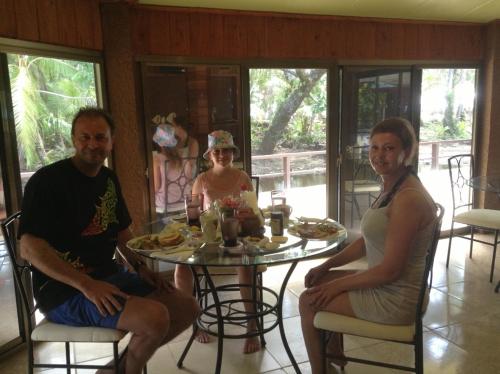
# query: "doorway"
{"type": "Point", "coordinates": [440, 104]}
{"type": "Point", "coordinates": [368, 96]}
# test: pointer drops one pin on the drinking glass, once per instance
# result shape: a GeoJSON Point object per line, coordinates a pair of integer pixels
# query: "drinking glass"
{"type": "Point", "coordinates": [193, 204]}
{"type": "Point", "coordinates": [229, 230]}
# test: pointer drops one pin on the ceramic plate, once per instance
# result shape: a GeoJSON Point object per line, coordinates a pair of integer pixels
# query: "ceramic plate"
{"type": "Point", "coordinates": [325, 230]}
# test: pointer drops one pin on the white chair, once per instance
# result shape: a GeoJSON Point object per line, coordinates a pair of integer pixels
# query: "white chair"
{"type": "Point", "coordinates": [461, 168]}
{"type": "Point", "coordinates": [328, 322]}
{"type": "Point", "coordinates": [46, 331]}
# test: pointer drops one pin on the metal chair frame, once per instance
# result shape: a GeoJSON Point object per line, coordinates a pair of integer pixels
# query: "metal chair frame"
{"type": "Point", "coordinates": [22, 279]}
{"type": "Point", "coordinates": [417, 341]}
{"type": "Point", "coordinates": [184, 183]}
{"type": "Point", "coordinates": [461, 169]}
{"type": "Point", "coordinates": [364, 181]}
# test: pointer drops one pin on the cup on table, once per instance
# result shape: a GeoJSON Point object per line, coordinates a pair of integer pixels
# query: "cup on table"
{"type": "Point", "coordinates": [229, 230]}
{"type": "Point", "coordinates": [209, 222]}
{"type": "Point", "coordinates": [194, 205]}
{"type": "Point", "coordinates": [287, 211]}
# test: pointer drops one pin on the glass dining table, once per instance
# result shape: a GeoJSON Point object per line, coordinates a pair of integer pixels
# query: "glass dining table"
{"type": "Point", "coordinates": [223, 314]}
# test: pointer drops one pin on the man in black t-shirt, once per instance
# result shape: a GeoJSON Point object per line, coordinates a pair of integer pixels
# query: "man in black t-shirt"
{"type": "Point", "coordinates": [73, 219]}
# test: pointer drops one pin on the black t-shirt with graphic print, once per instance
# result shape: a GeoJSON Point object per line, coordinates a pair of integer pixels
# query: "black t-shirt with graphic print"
{"type": "Point", "coordinates": [79, 216]}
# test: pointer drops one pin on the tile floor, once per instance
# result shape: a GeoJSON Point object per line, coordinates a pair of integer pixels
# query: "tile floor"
{"type": "Point", "coordinates": [462, 333]}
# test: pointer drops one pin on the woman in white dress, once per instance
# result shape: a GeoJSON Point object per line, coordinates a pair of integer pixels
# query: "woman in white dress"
{"type": "Point", "coordinates": [395, 231]}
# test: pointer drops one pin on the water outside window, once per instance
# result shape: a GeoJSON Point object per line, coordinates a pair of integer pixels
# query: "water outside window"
{"type": "Point", "coordinates": [446, 124]}
{"type": "Point", "coordinates": [288, 136]}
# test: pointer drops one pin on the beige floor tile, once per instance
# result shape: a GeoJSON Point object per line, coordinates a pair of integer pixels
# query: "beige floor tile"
{"type": "Point", "coordinates": [444, 310]}
{"type": "Point", "coordinates": [293, 334]}
{"type": "Point", "coordinates": [478, 293]}
{"type": "Point", "coordinates": [15, 363]}
{"type": "Point", "coordinates": [50, 353]}
{"type": "Point", "coordinates": [480, 336]}
{"type": "Point", "coordinates": [202, 358]}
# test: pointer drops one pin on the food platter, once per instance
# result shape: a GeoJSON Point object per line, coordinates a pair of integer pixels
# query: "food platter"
{"type": "Point", "coordinates": [318, 230]}
{"type": "Point", "coordinates": [156, 242]}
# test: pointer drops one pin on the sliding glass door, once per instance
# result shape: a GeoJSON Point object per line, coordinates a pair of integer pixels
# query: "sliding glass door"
{"type": "Point", "coordinates": [38, 98]}
{"type": "Point", "coordinates": [446, 127]}
{"type": "Point", "coordinates": [368, 96]}
{"type": "Point", "coordinates": [440, 104]}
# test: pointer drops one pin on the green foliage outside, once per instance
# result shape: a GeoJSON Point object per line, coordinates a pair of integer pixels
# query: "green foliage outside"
{"type": "Point", "coordinates": [270, 89]}
{"type": "Point", "coordinates": [448, 113]}
{"type": "Point", "coordinates": [46, 93]}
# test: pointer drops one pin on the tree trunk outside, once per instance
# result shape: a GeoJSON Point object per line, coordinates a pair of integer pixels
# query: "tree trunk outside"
{"type": "Point", "coordinates": [287, 109]}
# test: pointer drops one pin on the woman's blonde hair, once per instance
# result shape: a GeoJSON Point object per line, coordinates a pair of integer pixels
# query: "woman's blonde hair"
{"type": "Point", "coordinates": [403, 129]}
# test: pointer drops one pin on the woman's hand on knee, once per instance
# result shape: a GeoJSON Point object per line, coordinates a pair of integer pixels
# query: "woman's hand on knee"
{"type": "Point", "coordinates": [313, 276]}
{"type": "Point", "coordinates": [322, 295]}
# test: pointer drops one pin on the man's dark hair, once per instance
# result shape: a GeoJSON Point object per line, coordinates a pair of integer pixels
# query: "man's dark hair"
{"type": "Point", "coordinates": [90, 111]}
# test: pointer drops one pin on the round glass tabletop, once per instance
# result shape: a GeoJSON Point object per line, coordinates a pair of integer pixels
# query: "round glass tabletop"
{"type": "Point", "coordinates": [196, 252]}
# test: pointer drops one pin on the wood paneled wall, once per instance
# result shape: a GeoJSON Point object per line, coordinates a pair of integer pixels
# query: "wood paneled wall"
{"type": "Point", "coordinates": [70, 23]}
{"type": "Point", "coordinates": [230, 34]}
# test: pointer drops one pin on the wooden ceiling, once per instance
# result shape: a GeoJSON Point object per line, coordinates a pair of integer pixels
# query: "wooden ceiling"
{"type": "Point", "coordinates": [481, 11]}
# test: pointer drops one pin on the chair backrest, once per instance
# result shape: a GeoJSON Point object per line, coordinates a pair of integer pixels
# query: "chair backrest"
{"type": "Point", "coordinates": [461, 169]}
{"type": "Point", "coordinates": [255, 184]}
{"type": "Point", "coordinates": [21, 269]}
{"type": "Point", "coordinates": [429, 261]}
{"type": "Point", "coordinates": [179, 182]}
{"type": "Point", "coordinates": [362, 172]}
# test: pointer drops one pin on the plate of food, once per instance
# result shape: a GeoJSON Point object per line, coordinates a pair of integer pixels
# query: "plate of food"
{"type": "Point", "coordinates": [315, 229]}
{"type": "Point", "coordinates": [157, 242]}
{"type": "Point", "coordinates": [267, 245]}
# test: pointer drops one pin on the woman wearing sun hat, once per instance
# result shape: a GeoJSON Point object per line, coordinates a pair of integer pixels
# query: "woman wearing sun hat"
{"type": "Point", "coordinates": [221, 180]}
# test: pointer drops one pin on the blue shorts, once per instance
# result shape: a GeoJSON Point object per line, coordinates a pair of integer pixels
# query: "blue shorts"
{"type": "Point", "coordinates": [80, 311]}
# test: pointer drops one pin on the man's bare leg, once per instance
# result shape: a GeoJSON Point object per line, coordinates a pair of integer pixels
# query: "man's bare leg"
{"type": "Point", "coordinates": [183, 310]}
{"type": "Point", "coordinates": [178, 310]}
{"type": "Point", "coordinates": [149, 323]}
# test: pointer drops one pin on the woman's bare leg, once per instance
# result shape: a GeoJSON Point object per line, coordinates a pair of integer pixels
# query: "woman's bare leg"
{"type": "Point", "coordinates": [245, 276]}
{"type": "Point", "coordinates": [184, 282]}
{"type": "Point", "coordinates": [312, 338]}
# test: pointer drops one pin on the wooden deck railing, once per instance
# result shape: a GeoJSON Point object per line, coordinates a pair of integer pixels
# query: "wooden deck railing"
{"type": "Point", "coordinates": [439, 151]}
{"type": "Point", "coordinates": [286, 161]}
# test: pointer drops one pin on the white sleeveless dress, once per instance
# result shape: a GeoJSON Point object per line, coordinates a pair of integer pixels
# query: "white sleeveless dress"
{"type": "Point", "coordinates": [392, 303]}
